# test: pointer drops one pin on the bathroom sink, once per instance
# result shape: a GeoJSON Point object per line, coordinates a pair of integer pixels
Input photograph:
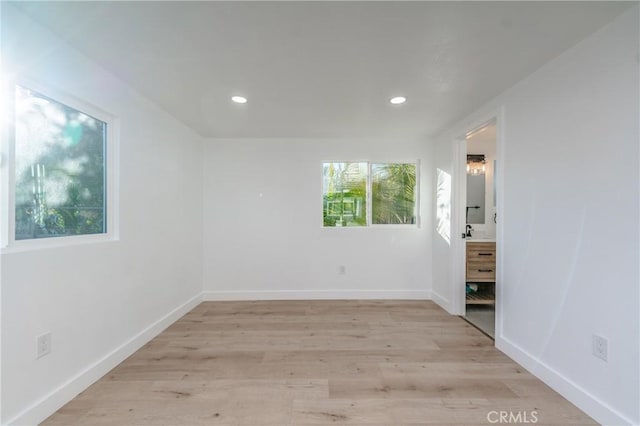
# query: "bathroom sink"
{"type": "Point", "coordinates": [481, 239]}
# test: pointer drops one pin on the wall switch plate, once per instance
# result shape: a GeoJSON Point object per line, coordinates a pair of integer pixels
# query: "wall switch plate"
{"type": "Point", "coordinates": [342, 270]}
{"type": "Point", "coordinates": [599, 347]}
{"type": "Point", "coordinates": [43, 345]}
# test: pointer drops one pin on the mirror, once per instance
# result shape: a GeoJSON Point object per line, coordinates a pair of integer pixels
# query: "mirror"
{"type": "Point", "coordinates": [481, 156]}
{"type": "Point", "coordinates": [475, 198]}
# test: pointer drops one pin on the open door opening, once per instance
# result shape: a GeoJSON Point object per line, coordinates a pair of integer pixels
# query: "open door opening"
{"type": "Point", "coordinates": [480, 219]}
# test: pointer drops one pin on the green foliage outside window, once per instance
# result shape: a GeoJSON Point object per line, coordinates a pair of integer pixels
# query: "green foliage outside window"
{"type": "Point", "coordinates": [393, 189]}
{"type": "Point", "coordinates": [345, 194]}
{"type": "Point", "coordinates": [59, 169]}
{"type": "Point", "coordinates": [393, 194]}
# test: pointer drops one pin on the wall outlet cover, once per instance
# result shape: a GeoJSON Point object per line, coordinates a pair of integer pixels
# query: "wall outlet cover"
{"type": "Point", "coordinates": [43, 342]}
{"type": "Point", "coordinates": [600, 347]}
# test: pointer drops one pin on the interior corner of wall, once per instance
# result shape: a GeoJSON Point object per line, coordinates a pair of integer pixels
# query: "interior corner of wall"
{"type": "Point", "coordinates": [441, 301]}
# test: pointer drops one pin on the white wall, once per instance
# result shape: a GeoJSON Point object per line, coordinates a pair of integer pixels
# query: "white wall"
{"type": "Point", "coordinates": [263, 224]}
{"type": "Point", "coordinates": [100, 301]}
{"type": "Point", "coordinates": [570, 245]}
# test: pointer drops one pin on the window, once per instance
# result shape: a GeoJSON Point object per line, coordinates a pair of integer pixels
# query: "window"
{"type": "Point", "coordinates": [393, 194]}
{"type": "Point", "coordinates": [59, 168]}
{"type": "Point", "coordinates": [345, 194]}
{"type": "Point", "coordinates": [360, 194]}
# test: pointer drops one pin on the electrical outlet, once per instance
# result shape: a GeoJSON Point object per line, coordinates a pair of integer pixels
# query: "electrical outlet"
{"type": "Point", "coordinates": [342, 270]}
{"type": "Point", "coordinates": [44, 345]}
{"type": "Point", "coordinates": [599, 347]}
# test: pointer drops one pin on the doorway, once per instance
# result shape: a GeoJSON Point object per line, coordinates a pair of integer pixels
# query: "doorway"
{"type": "Point", "coordinates": [478, 201]}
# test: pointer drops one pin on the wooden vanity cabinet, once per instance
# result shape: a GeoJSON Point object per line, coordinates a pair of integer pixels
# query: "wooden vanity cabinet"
{"type": "Point", "coordinates": [481, 270]}
{"type": "Point", "coordinates": [481, 262]}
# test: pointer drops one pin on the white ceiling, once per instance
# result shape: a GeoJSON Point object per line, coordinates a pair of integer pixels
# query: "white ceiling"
{"type": "Point", "coordinates": [321, 69]}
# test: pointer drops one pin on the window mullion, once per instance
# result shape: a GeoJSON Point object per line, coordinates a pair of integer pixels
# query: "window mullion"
{"type": "Point", "coordinates": [369, 195]}
{"type": "Point", "coordinates": [416, 190]}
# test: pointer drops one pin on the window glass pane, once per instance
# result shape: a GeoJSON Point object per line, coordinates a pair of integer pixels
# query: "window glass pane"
{"type": "Point", "coordinates": [59, 169]}
{"type": "Point", "coordinates": [345, 194]}
{"type": "Point", "coordinates": [393, 193]}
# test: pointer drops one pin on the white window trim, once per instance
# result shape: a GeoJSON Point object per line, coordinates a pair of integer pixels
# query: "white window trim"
{"type": "Point", "coordinates": [8, 243]}
{"type": "Point", "coordinates": [369, 212]}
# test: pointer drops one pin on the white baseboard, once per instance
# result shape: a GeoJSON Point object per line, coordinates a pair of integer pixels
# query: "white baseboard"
{"type": "Point", "coordinates": [316, 295]}
{"type": "Point", "coordinates": [55, 399]}
{"type": "Point", "coordinates": [581, 398]}
{"type": "Point", "coordinates": [441, 301]}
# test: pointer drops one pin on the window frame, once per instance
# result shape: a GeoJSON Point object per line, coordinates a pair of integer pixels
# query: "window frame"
{"type": "Point", "coordinates": [8, 242]}
{"type": "Point", "coordinates": [369, 197]}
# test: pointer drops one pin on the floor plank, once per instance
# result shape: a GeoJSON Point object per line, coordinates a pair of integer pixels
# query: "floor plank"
{"type": "Point", "coordinates": [316, 363]}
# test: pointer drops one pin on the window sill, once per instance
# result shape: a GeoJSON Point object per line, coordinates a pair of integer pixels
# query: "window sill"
{"type": "Point", "coordinates": [56, 242]}
{"type": "Point", "coordinates": [395, 226]}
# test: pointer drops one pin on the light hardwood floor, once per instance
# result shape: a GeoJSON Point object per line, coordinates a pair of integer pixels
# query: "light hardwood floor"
{"type": "Point", "coordinates": [313, 363]}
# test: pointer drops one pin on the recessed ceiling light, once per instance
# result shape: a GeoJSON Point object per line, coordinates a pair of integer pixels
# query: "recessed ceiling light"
{"type": "Point", "coordinates": [397, 100]}
{"type": "Point", "coordinates": [239, 99]}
